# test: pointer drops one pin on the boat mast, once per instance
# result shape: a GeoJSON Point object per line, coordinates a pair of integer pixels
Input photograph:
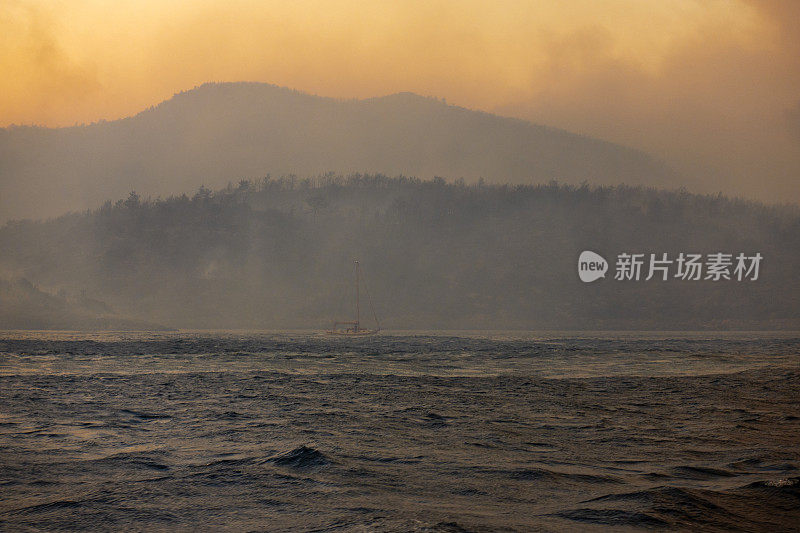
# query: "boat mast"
{"type": "Point", "coordinates": [357, 309]}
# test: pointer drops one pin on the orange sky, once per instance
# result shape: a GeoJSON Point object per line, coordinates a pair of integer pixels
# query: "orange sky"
{"type": "Point", "coordinates": [711, 86]}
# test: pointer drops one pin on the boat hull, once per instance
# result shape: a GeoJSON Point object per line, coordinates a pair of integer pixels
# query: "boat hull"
{"type": "Point", "coordinates": [359, 333]}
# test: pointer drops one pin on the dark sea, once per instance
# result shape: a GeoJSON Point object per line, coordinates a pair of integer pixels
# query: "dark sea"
{"type": "Point", "coordinates": [243, 431]}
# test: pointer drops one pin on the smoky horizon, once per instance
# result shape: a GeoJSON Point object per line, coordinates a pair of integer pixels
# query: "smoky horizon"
{"type": "Point", "coordinates": [709, 89]}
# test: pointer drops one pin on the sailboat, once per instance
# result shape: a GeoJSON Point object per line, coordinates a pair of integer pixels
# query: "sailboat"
{"type": "Point", "coordinates": [352, 328]}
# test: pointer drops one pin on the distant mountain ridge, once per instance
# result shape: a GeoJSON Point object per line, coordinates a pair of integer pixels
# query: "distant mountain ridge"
{"type": "Point", "coordinates": [223, 132]}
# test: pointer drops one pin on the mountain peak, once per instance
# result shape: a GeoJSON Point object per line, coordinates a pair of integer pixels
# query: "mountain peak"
{"type": "Point", "coordinates": [221, 132]}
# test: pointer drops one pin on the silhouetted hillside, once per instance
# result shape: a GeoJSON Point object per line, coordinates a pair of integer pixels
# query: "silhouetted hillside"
{"type": "Point", "coordinates": [25, 306]}
{"type": "Point", "coordinates": [222, 132]}
{"type": "Point", "coordinates": [278, 254]}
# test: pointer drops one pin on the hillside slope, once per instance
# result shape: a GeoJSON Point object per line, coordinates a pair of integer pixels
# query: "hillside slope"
{"type": "Point", "coordinates": [278, 254]}
{"type": "Point", "coordinates": [218, 133]}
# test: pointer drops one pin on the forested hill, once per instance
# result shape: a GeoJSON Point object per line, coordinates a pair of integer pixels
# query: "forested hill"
{"type": "Point", "coordinates": [220, 132]}
{"type": "Point", "coordinates": [435, 255]}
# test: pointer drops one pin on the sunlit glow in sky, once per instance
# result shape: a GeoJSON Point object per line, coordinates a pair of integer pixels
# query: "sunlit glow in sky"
{"type": "Point", "coordinates": [712, 86]}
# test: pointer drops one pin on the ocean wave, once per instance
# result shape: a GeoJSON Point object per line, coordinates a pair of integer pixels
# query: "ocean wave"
{"type": "Point", "coordinates": [301, 457]}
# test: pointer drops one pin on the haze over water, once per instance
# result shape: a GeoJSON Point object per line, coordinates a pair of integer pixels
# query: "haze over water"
{"type": "Point", "coordinates": [185, 168]}
{"type": "Point", "coordinates": [400, 432]}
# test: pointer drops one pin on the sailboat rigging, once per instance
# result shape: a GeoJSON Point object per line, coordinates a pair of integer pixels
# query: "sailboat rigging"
{"type": "Point", "coordinates": [352, 328]}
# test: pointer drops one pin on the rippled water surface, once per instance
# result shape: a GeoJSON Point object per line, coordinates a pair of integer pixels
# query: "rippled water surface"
{"type": "Point", "coordinates": [399, 432]}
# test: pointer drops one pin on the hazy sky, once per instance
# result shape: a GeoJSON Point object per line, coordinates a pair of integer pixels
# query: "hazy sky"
{"type": "Point", "coordinates": [711, 86]}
